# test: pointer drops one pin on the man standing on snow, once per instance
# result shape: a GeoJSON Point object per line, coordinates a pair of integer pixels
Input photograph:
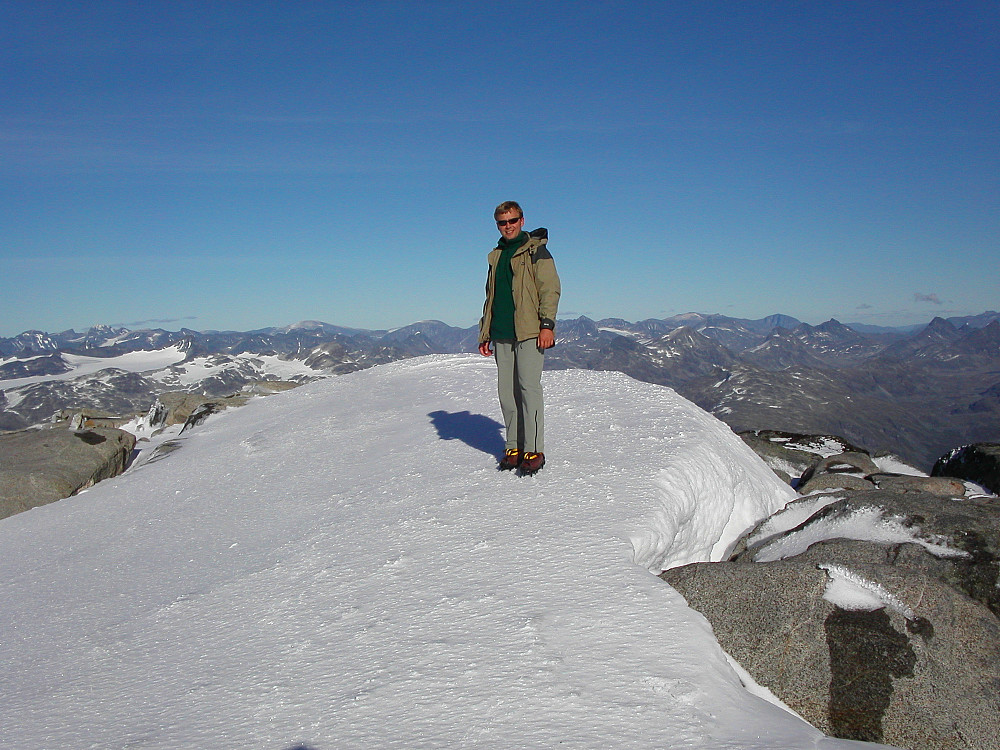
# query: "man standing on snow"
{"type": "Point", "coordinates": [519, 320]}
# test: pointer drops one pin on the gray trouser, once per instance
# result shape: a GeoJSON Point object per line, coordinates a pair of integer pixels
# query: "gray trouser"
{"type": "Point", "coordinates": [519, 369]}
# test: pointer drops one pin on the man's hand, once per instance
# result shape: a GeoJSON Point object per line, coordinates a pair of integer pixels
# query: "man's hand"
{"type": "Point", "coordinates": [546, 339]}
{"type": "Point", "coordinates": [484, 349]}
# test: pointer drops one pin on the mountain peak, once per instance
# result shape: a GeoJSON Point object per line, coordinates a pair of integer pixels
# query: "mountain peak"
{"type": "Point", "coordinates": [306, 325]}
{"type": "Point", "coordinates": [393, 582]}
{"type": "Point", "coordinates": [940, 328]}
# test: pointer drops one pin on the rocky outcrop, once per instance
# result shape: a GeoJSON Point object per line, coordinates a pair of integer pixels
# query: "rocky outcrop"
{"type": "Point", "coordinates": [791, 454]}
{"type": "Point", "coordinates": [940, 486]}
{"type": "Point", "coordinates": [835, 480]}
{"type": "Point", "coordinates": [39, 466]}
{"type": "Point", "coordinates": [176, 407]}
{"type": "Point", "coordinates": [922, 674]}
{"type": "Point", "coordinates": [954, 540]}
{"type": "Point", "coordinates": [978, 463]}
{"type": "Point", "coordinates": [874, 613]}
{"type": "Point", "coordinates": [44, 465]}
{"type": "Point", "coordinates": [188, 409]}
{"type": "Point", "coordinates": [854, 463]}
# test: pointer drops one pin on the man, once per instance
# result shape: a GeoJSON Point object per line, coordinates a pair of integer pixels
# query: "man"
{"type": "Point", "coordinates": [519, 320]}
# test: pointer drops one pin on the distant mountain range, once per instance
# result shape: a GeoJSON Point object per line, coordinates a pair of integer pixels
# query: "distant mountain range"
{"type": "Point", "coordinates": [917, 393]}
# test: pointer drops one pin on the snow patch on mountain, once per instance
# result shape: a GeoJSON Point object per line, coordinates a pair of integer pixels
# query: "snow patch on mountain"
{"type": "Point", "coordinates": [82, 366]}
{"type": "Point", "coordinates": [618, 331]}
{"type": "Point", "coordinates": [197, 369]}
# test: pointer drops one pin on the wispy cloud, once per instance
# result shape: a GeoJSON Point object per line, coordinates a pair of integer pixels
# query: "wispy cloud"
{"type": "Point", "coordinates": [932, 298]}
{"type": "Point", "coordinates": [153, 321]}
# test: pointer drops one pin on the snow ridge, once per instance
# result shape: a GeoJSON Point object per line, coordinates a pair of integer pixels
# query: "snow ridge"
{"type": "Point", "coordinates": [341, 565]}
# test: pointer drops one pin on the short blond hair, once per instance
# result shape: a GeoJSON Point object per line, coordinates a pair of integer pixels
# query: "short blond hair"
{"type": "Point", "coordinates": [508, 206]}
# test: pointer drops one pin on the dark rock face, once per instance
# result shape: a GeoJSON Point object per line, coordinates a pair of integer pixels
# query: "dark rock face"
{"type": "Point", "coordinates": [978, 463]}
{"type": "Point", "coordinates": [44, 465]}
{"type": "Point", "coordinates": [52, 364]}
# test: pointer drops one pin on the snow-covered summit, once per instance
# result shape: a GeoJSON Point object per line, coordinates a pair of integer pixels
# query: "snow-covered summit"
{"type": "Point", "coordinates": [342, 566]}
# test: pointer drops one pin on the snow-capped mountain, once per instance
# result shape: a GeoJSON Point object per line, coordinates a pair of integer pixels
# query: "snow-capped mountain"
{"type": "Point", "coordinates": [29, 342]}
{"type": "Point", "coordinates": [915, 394]}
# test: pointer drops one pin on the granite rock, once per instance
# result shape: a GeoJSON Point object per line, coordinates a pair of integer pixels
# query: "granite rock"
{"type": "Point", "coordinates": [40, 466]}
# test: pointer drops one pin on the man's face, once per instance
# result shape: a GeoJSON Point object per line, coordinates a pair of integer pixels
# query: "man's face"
{"type": "Point", "coordinates": [510, 223]}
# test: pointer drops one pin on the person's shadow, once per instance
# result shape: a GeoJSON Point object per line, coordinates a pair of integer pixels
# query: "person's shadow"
{"type": "Point", "coordinates": [475, 430]}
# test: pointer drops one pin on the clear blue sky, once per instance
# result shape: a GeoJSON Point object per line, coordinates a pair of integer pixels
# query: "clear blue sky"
{"type": "Point", "coordinates": [234, 165]}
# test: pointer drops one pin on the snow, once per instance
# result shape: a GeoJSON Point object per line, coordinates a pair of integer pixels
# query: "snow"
{"type": "Point", "coordinates": [865, 524]}
{"type": "Point", "coordinates": [341, 566]}
{"type": "Point", "coordinates": [80, 365]}
{"type": "Point", "coordinates": [973, 490]}
{"type": "Point", "coordinates": [895, 465]}
{"type": "Point", "coordinates": [8, 360]}
{"type": "Point", "coordinates": [618, 331]}
{"type": "Point", "coordinates": [791, 516]}
{"type": "Point", "coordinates": [780, 464]}
{"type": "Point", "coordinates": [821, 446]}
{"type": "Point", "coordinates": [851, 591]}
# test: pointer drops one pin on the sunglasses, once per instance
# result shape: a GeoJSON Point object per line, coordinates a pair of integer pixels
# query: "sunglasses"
{"type": "Point", "coordinates": [505, 222]}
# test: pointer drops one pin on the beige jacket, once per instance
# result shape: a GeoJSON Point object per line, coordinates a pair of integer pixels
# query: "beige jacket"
{"type": "Point", "coordinates": [536, 288]}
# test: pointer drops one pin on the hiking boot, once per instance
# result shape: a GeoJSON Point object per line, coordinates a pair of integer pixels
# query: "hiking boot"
{"type": "Point", "coordinates": [511, 459]}
{"type": "Point", "coordinates": [531, 463]}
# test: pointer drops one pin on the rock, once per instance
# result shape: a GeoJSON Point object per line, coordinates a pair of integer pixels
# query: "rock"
{"type": "Point", "coordinates": [784, 476]}
{"type": "Point", "coordinates": [940, 486]}
{"type": "Point", "coordinates": [919, 672]}
{"type": "Point", "coordinates": [793, 453]}
{"type": "Point", "coordinates": [979, 463]}
{"type": "Point", "coordinates": [826, 482]}
{"type": "Point", "coordinates": [200, 414]}
{"type": "Point", "coordinates": [852, 463]}
{"type": "Point", "coordinates": [774, 450]}
{"type": "Point", "coordinates": [176, 407]}
{"type": "Point", "coordinates": [875, 615]}
{"type": "Point", "coordinates": [41, 466]}
{"type": "Point", "coordinates": [963, 536]}
{"type": "Point", "coordinates": [84, 418]}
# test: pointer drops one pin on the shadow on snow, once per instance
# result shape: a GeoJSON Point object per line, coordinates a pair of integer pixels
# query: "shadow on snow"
{"type": "Point", "coordinates": [475, 430]}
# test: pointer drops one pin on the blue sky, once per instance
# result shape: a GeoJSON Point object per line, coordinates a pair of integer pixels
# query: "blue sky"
{"type": "Point", "coordinates": [235, 165]}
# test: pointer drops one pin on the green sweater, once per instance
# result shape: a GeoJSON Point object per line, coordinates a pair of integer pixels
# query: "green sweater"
{"type": "Point", "coordinates": [502, 323]}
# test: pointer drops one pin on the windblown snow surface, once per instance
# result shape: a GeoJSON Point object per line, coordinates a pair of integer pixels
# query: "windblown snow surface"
{"type": "Point", "coordinates": [342, 566]}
